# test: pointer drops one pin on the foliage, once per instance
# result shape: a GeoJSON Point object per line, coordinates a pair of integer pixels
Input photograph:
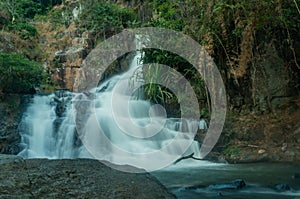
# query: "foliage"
{"type": "Point", "coordinates": [170, 14]}
{"type": "Point", "coordinates": [18, 74]}
{"type": "Point", "coordinates": [55, 17]}
{"type": "Point", "coordinates": [232, 151]}
{"type": "Point", "coordinates": [222, 22]}
{"type": "Point", "coordinates": [152, 90]}
{"type": "Point", "coordinates": [180, 65]}
{"type": "Point", "coordinates": [20, 10]}
{"type": "Point", "coordinates": [28, 9]}
{"type": "Point", "coordinates": [4, 17]}
{"type": "Point", "coordinates": [161, 94]}
{"type": "Point", "coordinates": [105, 17]}
{"type": "Point", "coordinates": [25, 31]}
{"type": "Point", "coordinates": [232, 31]}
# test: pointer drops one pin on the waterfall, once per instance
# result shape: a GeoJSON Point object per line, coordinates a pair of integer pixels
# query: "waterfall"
{"type": "Point", "coordinates": [37, 127]}
{"type": "Point", "coordinates": [48, 127]}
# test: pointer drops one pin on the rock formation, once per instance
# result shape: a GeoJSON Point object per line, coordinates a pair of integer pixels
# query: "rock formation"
{"type": "Point", "coordinates": [81, 178]}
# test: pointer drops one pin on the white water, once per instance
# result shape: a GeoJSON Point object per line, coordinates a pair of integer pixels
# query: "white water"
{"type": "Point", "coordinates": [44, 133]}
{"type": "Point", "coordinates": [48, 135]}
{"type": "Point", "coordinates": [37, 128]}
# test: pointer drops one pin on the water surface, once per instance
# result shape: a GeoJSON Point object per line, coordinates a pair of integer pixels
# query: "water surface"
{"type": "Point", "coordinates": [190, 179]}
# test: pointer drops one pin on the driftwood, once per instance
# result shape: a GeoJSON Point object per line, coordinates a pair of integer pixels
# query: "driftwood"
{"type": "Point", "coordinates": [186, 157]}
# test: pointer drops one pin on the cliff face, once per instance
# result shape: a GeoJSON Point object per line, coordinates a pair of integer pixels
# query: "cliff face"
{"type": "Point", "coordinates": [66, 46]}
{"type": "Point", "coordinates": [11, 110]}
{"type": "Point", "coordinates": [270, 81]}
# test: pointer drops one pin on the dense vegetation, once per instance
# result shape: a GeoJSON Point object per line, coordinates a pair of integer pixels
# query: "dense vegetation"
{"type": "Point", "coordinates": [229, 30]}
{"type": "Point", "coordinates": [104, 18]}
{"type": "Point", "coordinates": [18, 74]}
{"type": "Point", "coordinates": [20, 67]}
{"type": "Point", "coordinates": [234, 33]}
{"type": "Point", "coordinates": [22, 10]}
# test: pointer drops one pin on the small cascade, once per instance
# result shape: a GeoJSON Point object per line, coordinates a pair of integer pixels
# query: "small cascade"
{"type": "Point", "coordinates": [48, 128]}
{"type": "Point", "coordinates": [37, 127]}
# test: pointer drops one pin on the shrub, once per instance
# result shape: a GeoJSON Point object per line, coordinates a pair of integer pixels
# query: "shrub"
{"type": "Point", "coordinates": [25, 31]}
{"type": "Point", "coordinates": [106, 18]}
{"type": "Point", "coordinates": [18, 74]}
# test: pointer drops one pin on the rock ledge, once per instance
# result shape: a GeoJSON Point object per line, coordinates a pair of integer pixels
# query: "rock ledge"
{"type": "Point", "coordinates": [78, 178]}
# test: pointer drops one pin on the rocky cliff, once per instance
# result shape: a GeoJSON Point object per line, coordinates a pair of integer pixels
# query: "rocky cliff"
{"type": "Point", "coordinates": [66, 43]}
{"type": "Point", "coordinates": [11, 109]}
{"type": "Point", "coordinates": [65, 48]}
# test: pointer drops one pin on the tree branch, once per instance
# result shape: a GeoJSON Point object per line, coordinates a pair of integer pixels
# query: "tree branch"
{"type": "Point", "coordinates": [186, 157]}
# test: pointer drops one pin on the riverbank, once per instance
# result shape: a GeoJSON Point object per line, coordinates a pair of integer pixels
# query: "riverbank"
{"type": "Point", "coordinates": [271, 137]}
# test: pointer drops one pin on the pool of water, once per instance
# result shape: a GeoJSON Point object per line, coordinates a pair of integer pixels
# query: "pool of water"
{"type": "Point", "coordinates": [191, 179]}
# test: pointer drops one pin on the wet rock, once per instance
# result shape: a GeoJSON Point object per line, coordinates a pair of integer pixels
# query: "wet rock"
{"type": "Point", "coordinates": [9, 159]}
{"type": "Point", "coordinates": [69, 61]}
{"type": "Point", "coordinates": [81, 178]}
{"type": "Point", "coordinates": [290, 153]}
{"type": "Point", "coordinates": [215, 157]}
{"type": "Point", "coordinates": [71, 55]}
{"type": "Point", "coordinates": [296, 176]}
{"type": "Point", "coordinates": [261, 151]}
{"type": "Point", "coordinates": [11, 108]}
{"type": "Point", "coordinates": [282, 187]}
{"type": "Point", "coordinates": [284, 147]}
{"type": "Point", "coordinates": [62, 93]}
{"type": "Point", "coordinates": [235, 184]}
{"type": "Point", "coordinates": [247, 156]}
{"type": "Point", "coordinates": [62, 98]}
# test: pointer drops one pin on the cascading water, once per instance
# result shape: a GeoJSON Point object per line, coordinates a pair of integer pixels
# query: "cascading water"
{"type": "Point", "coordinates": [37, 127]}
{"type": "Point", "coordinates": [48, 127]}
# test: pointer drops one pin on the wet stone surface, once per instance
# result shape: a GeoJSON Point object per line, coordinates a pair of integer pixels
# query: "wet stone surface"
{"type": "Point", "coordinates": [80, 178]}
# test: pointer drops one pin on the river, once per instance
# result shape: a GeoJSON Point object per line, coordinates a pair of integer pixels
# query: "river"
{"type": "Point", "coordinates": [191, 179]}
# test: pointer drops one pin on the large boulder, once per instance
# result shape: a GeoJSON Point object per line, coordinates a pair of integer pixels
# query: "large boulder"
{"type": "Point", "coordinates": [77, 178]}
